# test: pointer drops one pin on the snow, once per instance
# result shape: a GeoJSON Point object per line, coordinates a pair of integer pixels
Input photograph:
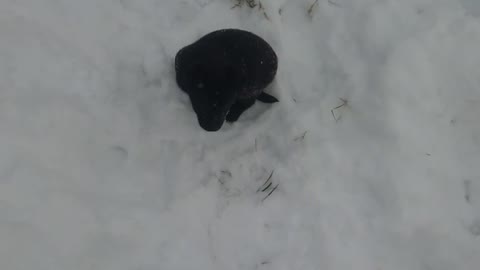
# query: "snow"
{"type": "Point", "coordinates": [103, 165]}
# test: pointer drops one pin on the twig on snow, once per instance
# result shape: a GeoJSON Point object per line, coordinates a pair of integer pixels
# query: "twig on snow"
{"type": "Point", "coordinates": [344, 103]}
{"type": "Point", "coordinates": [331, 2]}
{"type": "Point", "coordinates": [301, 137]}
{"type": "Point", "coordinates": [268, 179]}
{"type": "Point", "coordinates": [312, 6]}
{"type": "Point", "coordinates": [270, 193]}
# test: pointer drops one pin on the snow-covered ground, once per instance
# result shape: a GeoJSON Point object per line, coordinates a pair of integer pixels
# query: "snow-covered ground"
{"type": "Point", "coordinates": [103, 165]}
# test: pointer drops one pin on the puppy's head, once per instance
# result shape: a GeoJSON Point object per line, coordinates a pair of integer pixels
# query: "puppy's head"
{"type": "Point", "coordinates": [212, 91]}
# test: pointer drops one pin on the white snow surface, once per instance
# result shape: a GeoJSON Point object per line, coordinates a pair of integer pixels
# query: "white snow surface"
{"type": "Point", "coordinates": [104, 166]}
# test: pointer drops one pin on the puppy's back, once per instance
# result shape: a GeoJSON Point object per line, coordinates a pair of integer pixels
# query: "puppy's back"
{"type": "Point", "coordinates": [253, 59]}
{"type": "Point", "coordinates": [244, 49]}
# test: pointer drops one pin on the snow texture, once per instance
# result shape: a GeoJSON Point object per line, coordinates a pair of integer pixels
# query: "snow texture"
{"type": "Point", "coordinates": [374, 146]}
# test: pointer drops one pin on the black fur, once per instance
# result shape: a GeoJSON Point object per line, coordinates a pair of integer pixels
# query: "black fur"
{"type": "Point", "coordinates": [223, 73]}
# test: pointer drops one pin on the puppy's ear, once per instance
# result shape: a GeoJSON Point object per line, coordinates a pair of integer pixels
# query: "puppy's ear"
{"type": "Point", "coordinates": [198, 75]}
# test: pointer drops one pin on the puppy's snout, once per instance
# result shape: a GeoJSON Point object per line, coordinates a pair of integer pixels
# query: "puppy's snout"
{"type": "Point", "coordinates": [213, 123]}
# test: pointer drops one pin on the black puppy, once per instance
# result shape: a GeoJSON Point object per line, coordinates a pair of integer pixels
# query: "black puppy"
{"type": "Point", "coordinates": [223, 73]}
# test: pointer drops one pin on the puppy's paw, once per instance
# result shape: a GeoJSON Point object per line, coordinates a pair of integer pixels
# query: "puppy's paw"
{"type": "Point", "coordinates": [232, 117]}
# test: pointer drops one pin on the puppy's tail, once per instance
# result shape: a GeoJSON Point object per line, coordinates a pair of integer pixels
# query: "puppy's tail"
{"type": "Point", "coordinates": [266, 98]}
